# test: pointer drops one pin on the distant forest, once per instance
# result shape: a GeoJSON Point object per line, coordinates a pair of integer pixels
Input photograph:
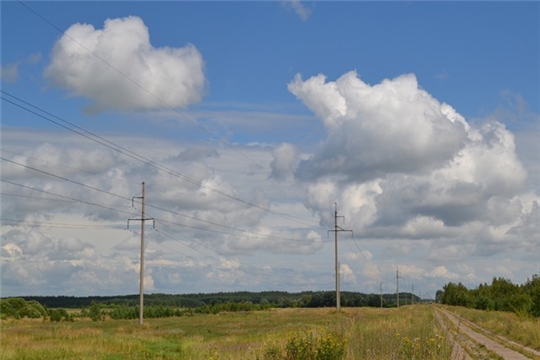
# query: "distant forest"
{"type": "Point", "coordinates": [99, 308]}
{"type": "Point", "coordinates": [500, 295]}
{"type": "Point", "coordinates": [266, 298]}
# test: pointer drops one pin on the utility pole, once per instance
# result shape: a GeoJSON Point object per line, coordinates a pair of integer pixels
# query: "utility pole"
{"type": "Point", "coordinates": [336, 230]}
{"type": "Point", "coordinates": [381, 295]}
{"type": "Point", "coordinates": [412, 297]}
{"type": "Point", "coordinates": [397, 285]}
{"type": "Point", "coordinates": [339, 281]}
{"type": "Point", "coordinates": [141, 271]}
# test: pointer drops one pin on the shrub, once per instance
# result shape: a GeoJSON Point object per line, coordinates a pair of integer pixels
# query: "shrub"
{"type": "Point", "coordinates": [95, 312]}
{"type": "Point", "coordinates": [60, 315]}
{"type": "Point", "coordinates": [308, 347]}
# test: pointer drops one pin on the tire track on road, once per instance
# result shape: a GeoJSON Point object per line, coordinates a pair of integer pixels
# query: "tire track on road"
{"type": "Point", "coordinates": [499, 349]}
{"type": "Point", "coordinates": [503, 339]}
{"type": "Point", "coordinates": [458, 352]}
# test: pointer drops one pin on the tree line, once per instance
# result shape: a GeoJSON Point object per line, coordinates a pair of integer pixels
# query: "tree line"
{"type": "Point", "coordinates": [168, 305]}
{"type": "Point", "coordinates": [273, 298]}
{"type": "Point", "coordinates": [500, 295]}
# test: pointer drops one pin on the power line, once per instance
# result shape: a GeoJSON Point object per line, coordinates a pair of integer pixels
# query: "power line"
{"type": "Point", "coordinates": [115, 147]}
{"type": "Point", "coordinates": [65, 197]}
{"type": "Point", "coordinates": [205, 254]}
{"type": "Point", "coordinates": [125, 198]}
{"type": "Point", "coordinates": [34, 197]}
{"type": "Point", "coordinates": [64, 178]}
{"type": "Point", "coordinates": [152, 206]}
{"type": "Point", "coordinates": [163, 102]}
{"type": "Point", "coordinates": [56, 225]}
{"type": "Point", "coordinates": [127, 77]}
{"type": "Point", "coordinates": [235, 230]}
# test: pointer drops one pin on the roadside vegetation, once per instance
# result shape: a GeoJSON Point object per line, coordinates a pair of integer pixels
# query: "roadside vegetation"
{"type": "Point", "coordinates": [523, 330]}
{"type": "Point", "coordinates": [500, 295]}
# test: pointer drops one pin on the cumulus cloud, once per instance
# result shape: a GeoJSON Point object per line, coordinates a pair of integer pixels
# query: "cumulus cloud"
{"type": "Point", "coordinates": [403, 165]}
{"type": "Point", "coordinates": [118, 69]}
{"type": "Point", "coordinates": [447, 208]}
{"type": "Point", "coordinates": [391, 127]}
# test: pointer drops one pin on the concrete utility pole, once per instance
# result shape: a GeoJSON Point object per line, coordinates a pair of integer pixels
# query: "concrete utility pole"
{"type": "Point", "coordinates": [381, 295]}
{"type": "Point", "coordinates": [141, 271]}
{"type": "Point", "coordinates": [336, 230]}
{"type": "Point", "coordinates": [397, 286]}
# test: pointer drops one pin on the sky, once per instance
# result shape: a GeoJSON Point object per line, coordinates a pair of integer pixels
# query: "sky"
{"type": "Point", "coordinates": [251, 124]}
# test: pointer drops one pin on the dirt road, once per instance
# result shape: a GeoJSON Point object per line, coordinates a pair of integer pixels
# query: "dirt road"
{"type": "Point", "coordinates": [470, 339]}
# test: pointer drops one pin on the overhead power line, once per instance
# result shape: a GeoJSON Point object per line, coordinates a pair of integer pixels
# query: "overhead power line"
{"type": "Point", "coordinates": [122, 150]}
{"type": "Point", "coordinates": [66, 197]}
{"type": "Point", "coordinates": [236, 230]}
{"type": "Point", "coordinates": [65, 179]}
{"type": "Point", "coordinates": [138, 85]}
{"type": "Point", "coordinates": [165, 104]}
{"type": "Point", "coordinates": [32, 223]}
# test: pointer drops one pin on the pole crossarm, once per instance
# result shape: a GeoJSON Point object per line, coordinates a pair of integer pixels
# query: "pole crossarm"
{"type": "Point", "coordinates": [139, 219]}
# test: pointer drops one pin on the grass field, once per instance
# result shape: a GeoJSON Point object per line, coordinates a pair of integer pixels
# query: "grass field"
{"type": "Point", "coordinates": [523, 330]}
{"type": "Point", "coordinates": [405, 333]}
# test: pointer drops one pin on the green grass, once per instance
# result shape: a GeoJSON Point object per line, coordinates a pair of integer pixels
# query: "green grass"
{"type": "Point", "coordinates": [404, 333]}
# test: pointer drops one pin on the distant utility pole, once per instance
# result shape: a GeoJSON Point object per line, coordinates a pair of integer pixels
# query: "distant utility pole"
{"type": "Point", "coordinates": [336, 230]}
{"type": "Point", "coordinates": [141, 271]}
{"type": "Point", "coordinates": [397, 286]}
{"type": "Point", "coordinates": [412, 297]}
{"type": "Point", "coordinates": [381, 295]}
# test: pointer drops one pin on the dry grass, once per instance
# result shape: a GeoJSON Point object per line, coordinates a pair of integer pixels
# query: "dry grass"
{"type": "Point", "coordinates": [523, 330]}
{"type": "Point", "coordinates": [369, 333]}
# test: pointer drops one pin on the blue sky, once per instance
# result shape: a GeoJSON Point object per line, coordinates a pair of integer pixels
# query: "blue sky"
{"type": "Point", "coordinates": [373, 132]}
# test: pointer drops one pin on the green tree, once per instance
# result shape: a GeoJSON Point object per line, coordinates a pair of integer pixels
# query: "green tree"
{"type": "Point", "coordinates": [457, 294]}
{"type": "Point", "coordinates": [95, 312]}
{"type": "Point", "coordinates": [532, 287]}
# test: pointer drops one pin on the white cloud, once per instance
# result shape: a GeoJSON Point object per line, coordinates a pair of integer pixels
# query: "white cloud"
{"type": "Point", "coordinates": [118, 69]}
{"type": "Point", "coordinates": [10, 73]}
{"type": "Point", "coordinates": [391, 127]}
{"type": "Point", "coordinates": [442, 272]}
{"type": "Point", "coordinates": [425, 159]}
{"type": "Point", "coordinates": [447, 221]}
{"type": "Point", "coordinates": [410, 170]}
{"type": "Point", "coordinates": [347, 273]}
{"type": "Point", "coordinates": [286, 159]}
{"type": "Point", "coordinates": [301, 10]}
